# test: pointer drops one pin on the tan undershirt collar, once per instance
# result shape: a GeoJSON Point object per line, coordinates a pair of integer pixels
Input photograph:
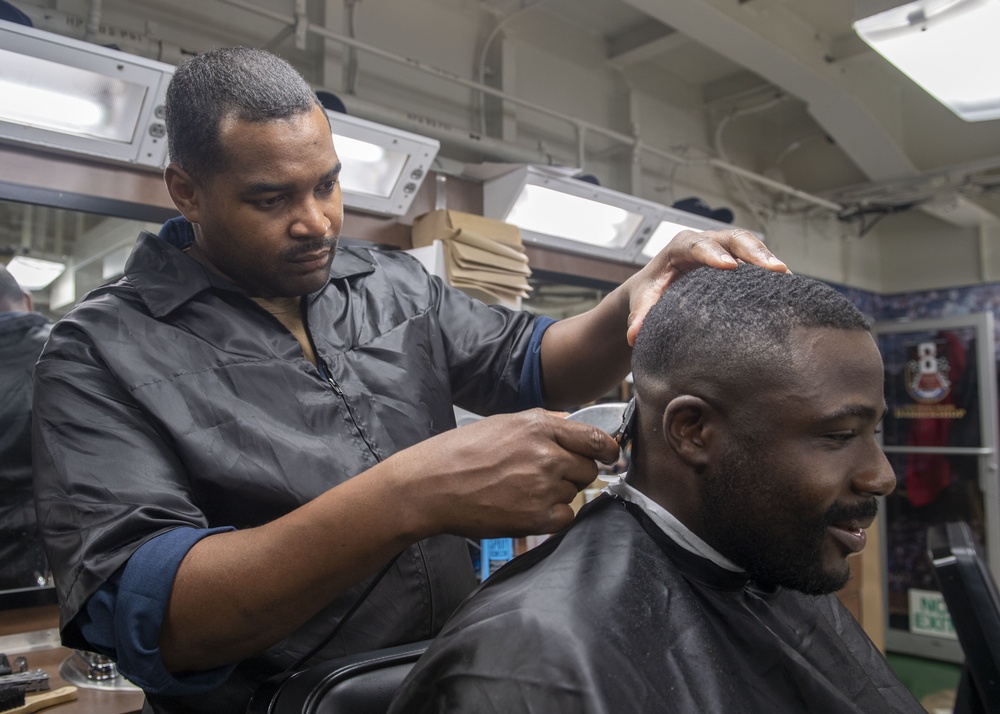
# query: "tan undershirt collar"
{"type": "Point", "coordinates": [288, 310]}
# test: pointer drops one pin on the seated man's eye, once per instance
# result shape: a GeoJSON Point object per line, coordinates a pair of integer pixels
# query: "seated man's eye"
{"type": "Point", "coordinates": [841, 435]}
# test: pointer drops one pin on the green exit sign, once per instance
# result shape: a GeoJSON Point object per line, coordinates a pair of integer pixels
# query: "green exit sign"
{"type": "Point", "coordinates": [929, 615]}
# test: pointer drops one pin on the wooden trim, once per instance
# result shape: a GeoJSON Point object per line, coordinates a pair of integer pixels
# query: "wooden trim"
{"type": "Point", "coordinates": [45, 178]}
{"type": "Point", "coordinates": [62, 174]}
{"type": "Point", "coordinates": [555, 263]}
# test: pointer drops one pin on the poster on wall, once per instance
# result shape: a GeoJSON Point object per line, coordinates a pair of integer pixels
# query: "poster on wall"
{"type": "Point", "coordinates": [932, 434]}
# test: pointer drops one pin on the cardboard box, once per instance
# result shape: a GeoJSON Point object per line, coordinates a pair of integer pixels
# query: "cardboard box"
{"type": "Point", "coordinates": [444, 224]}
{"type": "Point", "coordinates": [482, 256]}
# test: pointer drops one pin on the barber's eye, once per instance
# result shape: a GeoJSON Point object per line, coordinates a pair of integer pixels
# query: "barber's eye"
{"type": "Point", "coordinates": [267, 202]}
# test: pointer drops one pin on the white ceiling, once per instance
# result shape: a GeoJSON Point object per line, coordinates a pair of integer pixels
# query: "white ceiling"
{"type": "Point", "coordinates": [890, 131]}
{"type": "Point", "coordinates": [846, 126]}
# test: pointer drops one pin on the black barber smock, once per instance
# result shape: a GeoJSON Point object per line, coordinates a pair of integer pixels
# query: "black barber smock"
{"type": "Point", "coordinates": [169, 398]}
{"type": "Point", "coordinates": [613, 616]}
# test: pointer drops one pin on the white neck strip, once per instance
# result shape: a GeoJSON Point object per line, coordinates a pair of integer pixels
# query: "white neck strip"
{"type": "Point", "coordinates": [669, 524]}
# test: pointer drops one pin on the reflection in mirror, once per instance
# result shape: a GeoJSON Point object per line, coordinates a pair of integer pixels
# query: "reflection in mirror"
{"type": "Point", "coordinates": [559, 300]}
{"type": "Point", "coordinates": [92, 250]}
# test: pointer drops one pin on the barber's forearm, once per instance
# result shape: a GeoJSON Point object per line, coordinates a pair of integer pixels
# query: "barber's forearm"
{"type": "Point", "coordinates": [586, 355]}
{"type": "Point", "coordinates": [239, 592]}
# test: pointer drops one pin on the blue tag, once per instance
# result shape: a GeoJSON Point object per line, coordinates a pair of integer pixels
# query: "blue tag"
{"type": "Point", "coordinates": [499, 548]}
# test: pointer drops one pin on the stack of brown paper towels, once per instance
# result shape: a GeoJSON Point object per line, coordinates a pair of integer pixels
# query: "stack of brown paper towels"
{"type": "Point", "coordinates": [483, 257]}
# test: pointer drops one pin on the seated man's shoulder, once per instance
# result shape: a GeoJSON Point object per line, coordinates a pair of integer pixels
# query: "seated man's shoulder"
{"type": "Point", "coordinates": [545, 633]}
{"type": "Point", "coordinates": [603, 552]}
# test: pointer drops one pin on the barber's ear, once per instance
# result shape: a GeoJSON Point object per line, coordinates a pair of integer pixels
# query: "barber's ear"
{"type": "Point", "coordinates": [184, 192]}
{"type": "Point", "coordinates": [689, 426]}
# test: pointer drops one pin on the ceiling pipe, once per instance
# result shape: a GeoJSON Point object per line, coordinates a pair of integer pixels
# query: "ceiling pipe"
{"type": "Point", "coordinates": [494, 147]}
{"type": "Point", "coordinates": [580, 126]}
{"type": "Point", "coordinates": [61, 23]}
{"type": "Point", "coordinates": [446, 134]}
{"type": "Point", "coordinates": [498, 148]}
{"type": "Point", "coordinates": [93, 21]}
{"type": "Point", "coordinates": [487, 43]}
{"type": "Point", "coordinates": [104, 34]}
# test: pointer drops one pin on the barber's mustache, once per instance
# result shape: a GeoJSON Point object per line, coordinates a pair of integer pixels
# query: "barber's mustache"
{"type": "Point", "coordinates": [311, 247]}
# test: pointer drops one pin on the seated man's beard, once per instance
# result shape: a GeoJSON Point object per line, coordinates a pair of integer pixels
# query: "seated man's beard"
{"type": "Point", "coordinates": [753, 522]}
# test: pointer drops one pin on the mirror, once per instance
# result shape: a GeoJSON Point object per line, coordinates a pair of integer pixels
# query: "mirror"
{"type": "Point", "coordinates": [93, 236]}
{"type": "Point", "coordinates": [93, 247]}
{"type": "Point", "coordinates": [557, 299]}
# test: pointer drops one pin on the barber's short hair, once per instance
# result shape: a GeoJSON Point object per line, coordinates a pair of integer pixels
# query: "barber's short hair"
{"type": "Point", "coordinates": [722, 323]}
{"type": "Point", "coordinates": [11, 294]}
{"type": "Point", "coordinates": [247, 84]}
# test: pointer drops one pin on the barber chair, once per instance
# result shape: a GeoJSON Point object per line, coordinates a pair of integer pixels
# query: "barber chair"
{"type": "Point", "coordinates": [974, 605]}
{"type": "Point", "coordinates": [358, 684]}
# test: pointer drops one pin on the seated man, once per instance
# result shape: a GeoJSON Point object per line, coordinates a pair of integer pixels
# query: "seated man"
{"type": "Point", "coordinates": [702, 581]}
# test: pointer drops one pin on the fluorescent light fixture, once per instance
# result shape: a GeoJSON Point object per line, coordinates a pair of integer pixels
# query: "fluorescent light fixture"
{"type": "Point", "coordinates": [34, 273]}
{"type": "Point", "coordinates": [559, 211]}
{"type": "Point", "coordinates": [383, 167]}
{"type": "Point", "coordinates": [544, 210]}
{"type": "Point", "coordinates": [663, 234]}
{"type": "Point", "coordinates": [671, 222]}
{"type": "Point", "coordinates": [948, 47]}
{"type": "Point", "coordinates": [77, 97]}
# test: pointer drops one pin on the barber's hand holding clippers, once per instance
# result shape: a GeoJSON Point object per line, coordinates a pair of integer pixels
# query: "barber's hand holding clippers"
{"type": "Point", "coordinates": [507, 475]}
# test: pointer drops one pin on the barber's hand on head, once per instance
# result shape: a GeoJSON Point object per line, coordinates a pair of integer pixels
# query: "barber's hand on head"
{"type": "Point", "coordinates": [508, 475]}
{"type": "Point", "coordinates": [688, 250]}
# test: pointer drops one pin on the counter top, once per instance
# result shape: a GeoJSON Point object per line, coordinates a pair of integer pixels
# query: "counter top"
{"type": "Point", "coordinates": [88, 701]}
{"type": "Point", "coordinates": [48, 655]}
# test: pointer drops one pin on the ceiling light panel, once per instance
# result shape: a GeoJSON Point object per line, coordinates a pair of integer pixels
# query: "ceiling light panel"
{"type": "Point", "coordinates": [34, 273]}
{"type": "Point", "coordinates": [948, 47]}
{"type": "Point", "coordinates": [671, 222]}
{"type": "Point", "coordinates": [383, 167]}
{"type": "Point", "coordinates": [81, 98]}
{"type": "Point", "coordinates": [558, 211]}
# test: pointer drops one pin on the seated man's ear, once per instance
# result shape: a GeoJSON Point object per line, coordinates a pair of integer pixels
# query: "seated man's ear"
{"type": "Point", "coordinates": [689, 425]}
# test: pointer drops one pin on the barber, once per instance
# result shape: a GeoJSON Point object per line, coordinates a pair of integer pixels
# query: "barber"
{"type": "Point", "coordinates": [239, 433]}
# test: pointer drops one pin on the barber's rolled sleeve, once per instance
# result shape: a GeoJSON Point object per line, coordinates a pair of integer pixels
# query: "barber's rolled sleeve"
{"type": "Point", "coordinates": [123, 619]}
{"type": "Point", "coordinates": [106, 478]}
{"type": "Point", "coordinates": [530, 393]}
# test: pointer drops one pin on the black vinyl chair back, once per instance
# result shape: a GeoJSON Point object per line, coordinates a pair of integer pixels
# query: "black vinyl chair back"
{"type": "Point", "coordinates": [358, 684]}
{"type": "Point", "coordinates": [974, 605]}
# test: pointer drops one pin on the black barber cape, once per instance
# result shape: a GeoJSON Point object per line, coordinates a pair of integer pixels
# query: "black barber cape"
{"type": "Point", "coordinates": [613, 616]}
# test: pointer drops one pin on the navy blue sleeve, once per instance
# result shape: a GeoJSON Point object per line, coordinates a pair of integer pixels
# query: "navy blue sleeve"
{"type": "Point", "coordinates": [124, 617]}
{"type": "Point", "coordinates": [177, 232]}
{"type": "Point", "coordinates": [529, 393]}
